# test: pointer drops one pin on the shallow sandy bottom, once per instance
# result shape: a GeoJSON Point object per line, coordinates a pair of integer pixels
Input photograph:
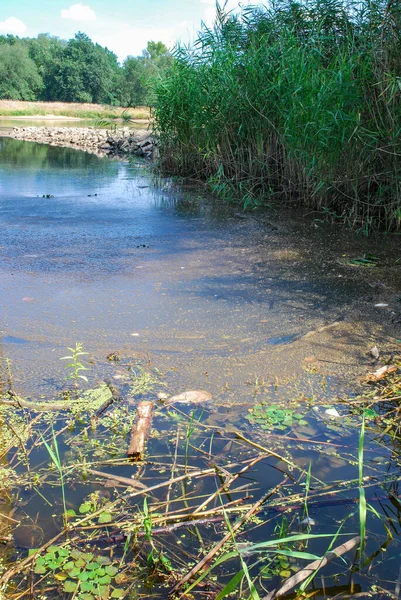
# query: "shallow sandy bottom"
{"type": "Point", "coordinates": [170, 277]}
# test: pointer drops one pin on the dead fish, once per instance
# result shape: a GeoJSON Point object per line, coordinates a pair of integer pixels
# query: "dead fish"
{"type": "Point", "coordinates": [191, 397]}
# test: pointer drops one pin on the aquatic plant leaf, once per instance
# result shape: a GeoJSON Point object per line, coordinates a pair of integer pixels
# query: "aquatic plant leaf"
{"type": "Point", "coordinates": [84, 576]}
{"type": "Point", "coordinates": [105, 517]}
{"type": "Point", "coordinates": [80, 563]}
{"type": "Point", "coordinates": [88, 556]}
{"type": "Point", "coordinates": [117, 593]}
{"type": "Point", "coordinates": [292, 538]}
{"type": "Point", "coordinates": [92, 566]}
{"type": "Point", "coordinates": [110, 570]}
{"type": "Point", "coordinates": [103, 592]}
{"type": "Point", "coordinates": [103, 560]}
{"type": "Point", "coordinates": [69, 586]}
{"type": "Point", "coordinates": [87, 586]}
{"type": "Point", "coordinates": [75, 554]}
{"type": "Point", "coordinates": [49, 556]}
{"type": "Point", "coordinates": [286, 574]}
{"type": "Point", "coordinates": [71, 513]}
{"type": "Point", "coordinates": [40, 570]}
{"type": "Point", "coordinates": [85, 508]}
{"type": "Point", "coordinates": [231, 585]}
{"type": "Point", "coordinates": [105, 580]}
{"type": "Point", "coordinates": [40, 560]}
{"type": "Point", "coordinates": [86, 597]}
{"type": "Point", "coordinates": [60, 576]}
{"type": "Point", "coordinates": [100, 571]}
{"type": "Point", "coordinates": [69, 565]}
{"type": "Point", "coordinates": [74, 572]}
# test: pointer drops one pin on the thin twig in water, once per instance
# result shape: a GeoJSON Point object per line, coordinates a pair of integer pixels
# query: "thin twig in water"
{"type": "Point", "coordinates": [201, 565]}
{"type": "Point", "coordinates": [312, 568]}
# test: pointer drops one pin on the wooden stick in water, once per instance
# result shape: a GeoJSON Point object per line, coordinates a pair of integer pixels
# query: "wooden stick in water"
{"type": "Point", "coordinates": [312, 568]}
{"type": "Point", "coordinates": [140, 430]}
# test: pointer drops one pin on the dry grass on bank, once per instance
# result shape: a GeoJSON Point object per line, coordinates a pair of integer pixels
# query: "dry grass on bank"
{"type": "Point", "coordinates": [19, 108]}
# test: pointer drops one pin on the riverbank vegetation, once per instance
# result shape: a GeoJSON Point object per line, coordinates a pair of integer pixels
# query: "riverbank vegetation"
{"type": "Point", "coordinates": [21, 108]}
{"type": "Point", "coordinates": [292, 102]}
{"type": "Point", "coordinates": [48, 68]}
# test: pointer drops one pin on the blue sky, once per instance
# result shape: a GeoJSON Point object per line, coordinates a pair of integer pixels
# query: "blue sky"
{"type": "Point", "coordinates": [124, 26]}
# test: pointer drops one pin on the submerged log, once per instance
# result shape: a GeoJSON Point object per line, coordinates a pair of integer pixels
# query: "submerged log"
{"type": "Point", "coordinates": [140, 430]}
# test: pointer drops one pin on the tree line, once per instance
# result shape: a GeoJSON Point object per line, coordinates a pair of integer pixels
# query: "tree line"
{"type": "Point", "coordinates": [78, 70]}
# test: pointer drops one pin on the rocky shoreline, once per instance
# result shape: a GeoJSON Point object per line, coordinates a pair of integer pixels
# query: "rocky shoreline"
{"type": "Point", "coordinates": [119, 142]}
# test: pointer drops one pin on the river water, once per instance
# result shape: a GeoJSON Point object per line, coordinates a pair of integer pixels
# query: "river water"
{"type": "Point", "coordinates": [247, 307]}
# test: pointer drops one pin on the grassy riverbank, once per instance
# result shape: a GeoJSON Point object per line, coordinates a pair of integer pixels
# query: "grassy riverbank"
{"type": "Point", "coordinates": [17, 108]}
{"type": "Point", "coordinates": [297, 102]}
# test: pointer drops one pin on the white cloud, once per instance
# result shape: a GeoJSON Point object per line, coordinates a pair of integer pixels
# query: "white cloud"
{"type": "Point", "coordinates": [126, 41]}
{"type": "Point", "coordinates": [79, 12]}
{"type": "Point", "coordinates": [12, 25]}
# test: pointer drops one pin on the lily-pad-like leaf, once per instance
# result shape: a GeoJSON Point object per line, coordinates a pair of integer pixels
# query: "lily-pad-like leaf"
{"type": "Point", "coordinates": [74, 572]}
{"type": "Point", "coordinates": [105, 517]}
{"type": "Point", "coordinates": [103, 560]}
{"type": "Point", "coordinates": [84, 576]}
{"type": "Point", "coordinates": [110, 570]}
{"type": "Point", "coordinates": [285, 573]}
{"type": "Point", "coordinates": [92, 566]}
{"type": "Point", "coordinates": [88, 586]}
{"type": "Point", "coordinates": [117, 593]}
{"type": "Point", "coordinates": [85, 508]}
{"type": "Point", "coordinates": [87, 597]}
{"type": "Point", "coordinates": [60, 576]}
{"type": "Point", "coordinates": [88, 556]}
{"type": "Point", "coordinates": [40, 570]}
{"type": "Point", "coordinates": [103, 592]}
{"type": "Point", "coordinates": [105, 580]}
{"type": "Point", "coordinates": [50, 556]}
{"type": "Point", "coordinates": [69, 586]}
{"type": "Point", "coordinates": [80, 563]}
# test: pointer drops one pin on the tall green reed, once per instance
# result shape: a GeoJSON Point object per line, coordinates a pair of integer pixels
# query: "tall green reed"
{"type": "Point", "coordinates": [294, 101]}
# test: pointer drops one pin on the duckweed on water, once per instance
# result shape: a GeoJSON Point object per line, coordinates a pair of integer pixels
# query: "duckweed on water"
{"type": "Point", "coordinates": [272, 417]}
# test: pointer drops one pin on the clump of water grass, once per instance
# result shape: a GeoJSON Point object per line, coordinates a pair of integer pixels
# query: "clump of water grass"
{"type": "Point", "coordinates": [295, 102]}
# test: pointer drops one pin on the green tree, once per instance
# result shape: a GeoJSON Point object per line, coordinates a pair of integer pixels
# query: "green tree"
{"type": "Point", "coordinates": [47, 51]}
{"type": "Point", "coordinates": [85, 72]}
{"type": "Point", "coordinates": [155, 49]}
{"type": "Point", "coordinates": [140, 73]}
{"type": "Point", "coordinates": [19, 75]}
{"type": "Point", "coordinates": [134, 90]}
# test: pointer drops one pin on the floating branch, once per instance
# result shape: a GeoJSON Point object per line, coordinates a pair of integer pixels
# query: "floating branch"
{"type": "Point", "coordinates": [140, 430]}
